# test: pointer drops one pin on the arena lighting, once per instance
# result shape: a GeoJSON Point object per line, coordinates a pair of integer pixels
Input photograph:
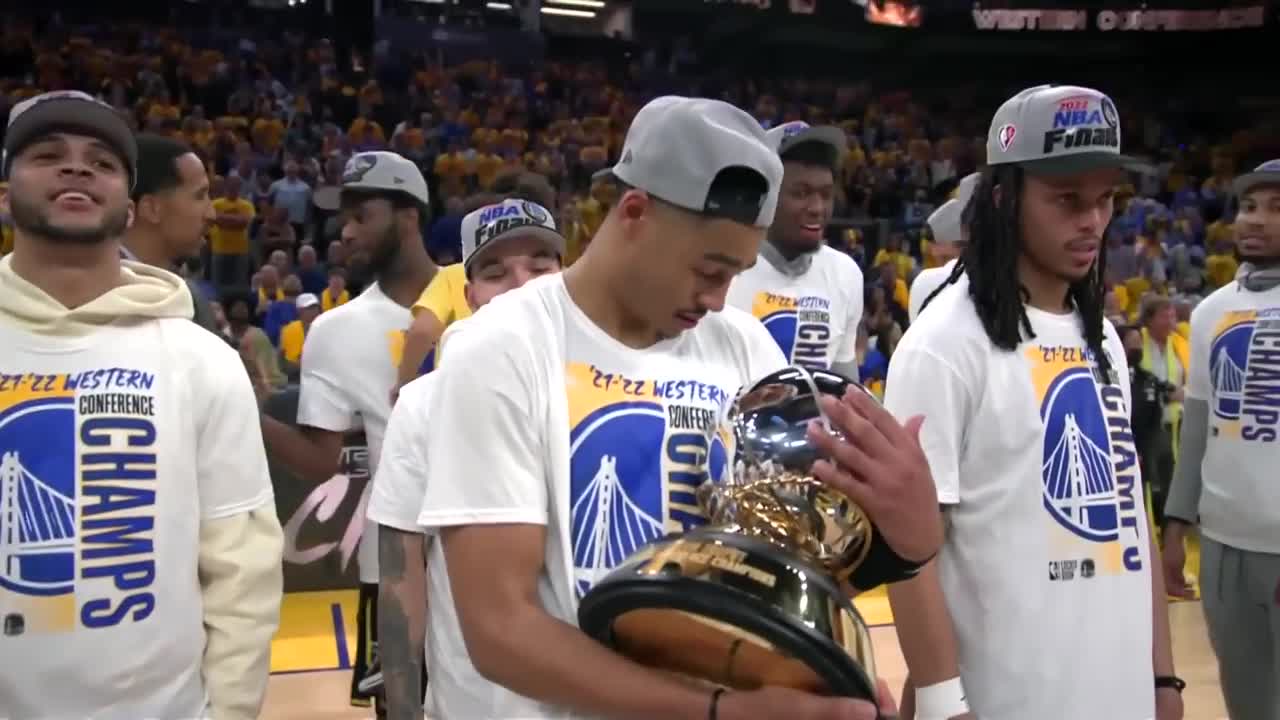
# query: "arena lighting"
{"type": "Point", "coordinates": [498, 6]}
{"type": "Point", "coordinates": [567, 12]}
{"type": "Point", "coordinates": [597, 4]}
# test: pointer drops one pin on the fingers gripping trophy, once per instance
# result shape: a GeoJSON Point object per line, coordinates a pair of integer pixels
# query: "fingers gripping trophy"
{"type": "Point", "coordinates": [761, 595]}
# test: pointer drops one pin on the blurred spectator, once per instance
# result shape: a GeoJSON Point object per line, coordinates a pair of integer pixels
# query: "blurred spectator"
{"type": "Point", "coordinates": [294, 334]}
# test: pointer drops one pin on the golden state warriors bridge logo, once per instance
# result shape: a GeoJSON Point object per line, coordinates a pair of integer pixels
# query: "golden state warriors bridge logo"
{"type": "Point", "coordinates": [639, 450]}
{"type": "Point", "coordinates": [77, 500]}
{"type": "Point", "coordinates": [1090, 466]}
{"type": "Point", "coordinates": [801, 325]}
{"type": "Point", "coordinates": [1244, 369]}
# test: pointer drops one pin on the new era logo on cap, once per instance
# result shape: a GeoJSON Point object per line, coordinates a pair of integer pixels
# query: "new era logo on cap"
{"type": "Point", "coordinates": [509, 218]}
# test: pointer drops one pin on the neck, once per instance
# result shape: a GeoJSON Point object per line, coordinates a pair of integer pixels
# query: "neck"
{"type": "Point", "coordinates": [787, 250]}
{"type": "Point", "coordinates": [412, 272]}
{"type": "Point", "coordinates": [1158, 335]}
{"type": "Point", "coordinates": [148, 247]}
{"type": "Point", "coordinates": [71, 274]}
{"type": "Point", "coordinates": [1046, 292]}
{"type": "Point", "coordinates": [589, 282]}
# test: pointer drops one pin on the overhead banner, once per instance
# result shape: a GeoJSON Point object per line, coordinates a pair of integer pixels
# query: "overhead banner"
{"type": "Point", "coordinates": [1143, 20]}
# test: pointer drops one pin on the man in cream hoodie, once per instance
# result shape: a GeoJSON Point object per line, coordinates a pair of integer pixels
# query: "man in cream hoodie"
{"type": "Point", "coordinates": [140, 554]}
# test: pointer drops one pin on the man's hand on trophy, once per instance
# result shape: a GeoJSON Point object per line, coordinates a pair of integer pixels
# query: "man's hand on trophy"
{"type": "Point", "coordinates": [878, 463]}
{"type": "Point", "coordinates": [779, 702]}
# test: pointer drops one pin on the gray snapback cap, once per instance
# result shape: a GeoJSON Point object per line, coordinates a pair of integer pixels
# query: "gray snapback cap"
{"type": "Point", "coordinates": [798, 132]}
{"type": "Point", "coordinates": [947, 222]}
{"type": "Point", "coordinates": [1268, 173]}
{"type": "Point", "coordinates": [385, 172]}
{"type": "Point", "coordinates": [1057, 130]}
{"type": "Point", "coordinates": [492, 224]}
{"type": "Point", "coordinates": [677, 146]}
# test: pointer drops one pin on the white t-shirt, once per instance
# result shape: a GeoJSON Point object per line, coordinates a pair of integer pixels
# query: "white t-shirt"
{"type": "Point", "coordinates": [349, 365]}
{"type": "Point", "coordinates": [113, 448]}
{"type": "Point", "coordinates": [645, 431]}
{"type": "Point", "coordinates": [925, 283]}
{"type": "Point", "coordinates": [813, 318]}
{"type": "Point", "coordinates": [1235, 368]}
{"type": "Point", "coordinates": [1046, 568]}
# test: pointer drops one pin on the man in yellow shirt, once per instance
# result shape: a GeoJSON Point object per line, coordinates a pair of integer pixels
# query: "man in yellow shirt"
{"type": "Point", "coordinates": [229, 236]}
{"type": "Point", "coordinates": [445, 301]}
{"type": "Point", "coordinates": [293, 334]}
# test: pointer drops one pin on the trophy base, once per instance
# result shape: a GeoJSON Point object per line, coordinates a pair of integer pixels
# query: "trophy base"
{"type": "Point", "coordinates": [733, 610]}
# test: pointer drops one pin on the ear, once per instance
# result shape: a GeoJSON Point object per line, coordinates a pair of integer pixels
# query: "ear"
{"type": "Point", "coordinates": [996, 195]}
{"type": "Point", "coordinates": [471, 301]}
{"type": "Point", "coordinates": [4, 203]}
{"type": "Point", "coordinates": [147, 208]}
{"type": "Point", "coordinates": [132, 214]}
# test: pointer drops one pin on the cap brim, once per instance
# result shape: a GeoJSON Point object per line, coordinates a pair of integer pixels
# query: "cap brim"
{"type": "Point", "coordinates": [1249, 181]}
{"type": "Point", "coordinates": [72, 115]}
{"type": "Point", "coordinates": [1082, 163]}
{"type": "Point", "coordinates": [553, 239]}
{"type": "Point", "coordinates": [825, 134]}
{"type": "Point", "coordinates": [602, 175]}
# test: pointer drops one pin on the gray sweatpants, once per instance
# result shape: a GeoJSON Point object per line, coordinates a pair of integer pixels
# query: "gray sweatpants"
{"type": "Point", "coordinates": [1241, 596]}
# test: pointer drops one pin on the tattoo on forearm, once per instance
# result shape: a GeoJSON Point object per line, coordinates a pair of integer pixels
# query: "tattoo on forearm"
{"type": "Point", "coordinates": [400, 638]}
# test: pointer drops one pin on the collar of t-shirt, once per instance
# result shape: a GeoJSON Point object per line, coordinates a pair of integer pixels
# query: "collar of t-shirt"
{"type": "Point", "coordinates": [1255, 278]}
{"type": "Point", "coordinates": [795, 267]}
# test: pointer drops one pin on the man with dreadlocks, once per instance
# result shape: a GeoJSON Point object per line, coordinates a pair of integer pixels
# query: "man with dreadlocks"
{"type": "Point", "coordinates": [1042, 603]}
{"type": "Point", "coordinates": [1226, 475]}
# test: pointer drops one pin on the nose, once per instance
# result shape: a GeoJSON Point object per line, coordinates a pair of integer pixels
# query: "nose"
{"type": "Point", "coordinates": [713, 299]}
{"type": "Point", "coordinates": [1094, 220]}
{"type": "Point", "coordinates": [209, 213]}
{"type": "Point", "coordinates": [348, 233]}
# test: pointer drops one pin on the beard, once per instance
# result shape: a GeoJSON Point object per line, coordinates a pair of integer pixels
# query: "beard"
{"type": "Point", "coordinates": [1258, 260]}
{"type": "Point", "coordinates": [34, 220]}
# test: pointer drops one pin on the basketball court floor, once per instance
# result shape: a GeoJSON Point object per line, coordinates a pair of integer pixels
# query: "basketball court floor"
{"type": "Point", "coordinates": [312, 654]}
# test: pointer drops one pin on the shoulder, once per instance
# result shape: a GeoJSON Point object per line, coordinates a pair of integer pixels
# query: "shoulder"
{"type": "Point", "coordinates": [211, 361]}
{"type": "Point", "coordinates": [838, 261]}
{"type": "Point", "coordinates": [511, 324]}
{"type": "Point", "coordinates": [731, 323]}
{"type": "Point", "coordinates": [417, 393]}
{"type": "Point", "coordinates": [950, 328]}
{"type": "Point", "coordinates": [1209, 308]}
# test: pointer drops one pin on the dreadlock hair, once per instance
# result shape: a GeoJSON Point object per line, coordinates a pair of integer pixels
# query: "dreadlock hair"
{"type": "Point", "coordinates": [990, 260]}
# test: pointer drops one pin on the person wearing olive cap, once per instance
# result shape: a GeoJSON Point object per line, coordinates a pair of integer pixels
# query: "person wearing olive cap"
{"type": "Point", "coordinates": [554, 388]}
{"type": "Point", "coordinates": [140, 551]}
{"type": "Point", "coordinates": [808, 295]}
{"type": "Point", "coordinates": [1226, 480]}
{"type": "Point", "coordinates": [1043, 602]}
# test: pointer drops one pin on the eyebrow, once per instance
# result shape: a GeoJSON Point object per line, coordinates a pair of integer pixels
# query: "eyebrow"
{"type": "Point", "coordinates": [722, 259]}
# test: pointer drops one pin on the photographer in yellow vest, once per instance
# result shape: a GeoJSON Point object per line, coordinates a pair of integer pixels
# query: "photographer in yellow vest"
{"type": "Point", "coordinates": [1166, 355]}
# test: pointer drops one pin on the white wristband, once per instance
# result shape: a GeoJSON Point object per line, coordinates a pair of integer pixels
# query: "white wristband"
{"type": "Point", "coordinates": [941, 701]}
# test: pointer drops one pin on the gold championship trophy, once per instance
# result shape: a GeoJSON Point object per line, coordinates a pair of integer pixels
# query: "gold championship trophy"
{"type": "Point", "coordinates": [761, 595]}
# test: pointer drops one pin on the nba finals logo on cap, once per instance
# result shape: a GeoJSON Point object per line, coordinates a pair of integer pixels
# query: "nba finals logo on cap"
{"type": "Point", "coordinates": [78, 487]}
{"type": "Point", "coordinates": [1089, 468]}
{"type": "Point", "coordinates": [1005, 135]}
{"type": "Point", "coordinates": [1244, 369]}
{"type": "Point", "coordinates": [792, 129]}
{"type": "Point", "coordinates": [510, 215]}
{"type": "Point", "coordinates": [1083, 121]}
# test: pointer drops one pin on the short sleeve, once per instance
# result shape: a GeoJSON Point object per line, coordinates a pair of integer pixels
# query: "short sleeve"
{"type": "Point", "coordinates": [1199, 382]}
{"type": "Point", "coordinates": [401, 479]}
{"type": "Point", "coordinates": [323, 402]}
{"type": "Point", "coordinates": [487, 464]}
{"type": "Point", "coordinates": [230, 458]}
{"type": "Point", "coordinates": [852, 282]}
{"type": "Point", "coordinates": [920, 382]}
{"type": "Point", "coordinates": [439, 298]}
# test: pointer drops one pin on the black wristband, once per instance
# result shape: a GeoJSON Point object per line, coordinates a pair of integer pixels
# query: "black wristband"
{"type": "Point", "coordinates": [1172, 682]}
{"type": "Point", "coordinates": [715, 703]}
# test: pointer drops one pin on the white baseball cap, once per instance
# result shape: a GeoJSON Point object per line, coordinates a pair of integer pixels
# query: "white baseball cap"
{"type": "Point", "coordinates": [677, 147]}
{"type": "Point", "coordinates": [946, 223]}
{"type": "Point", "coordinates": [385, 171]}
{"type": "Point", "coordinates": [491, 224]}
{"type": "Point", "coordinates": [1268, 173]}
{"type": "Point", "coordinates": [798, 132]}
{"type": "Point", "coordinates": [1057, 130]}
{"type": "Point", "coordinates": [306, 300]}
